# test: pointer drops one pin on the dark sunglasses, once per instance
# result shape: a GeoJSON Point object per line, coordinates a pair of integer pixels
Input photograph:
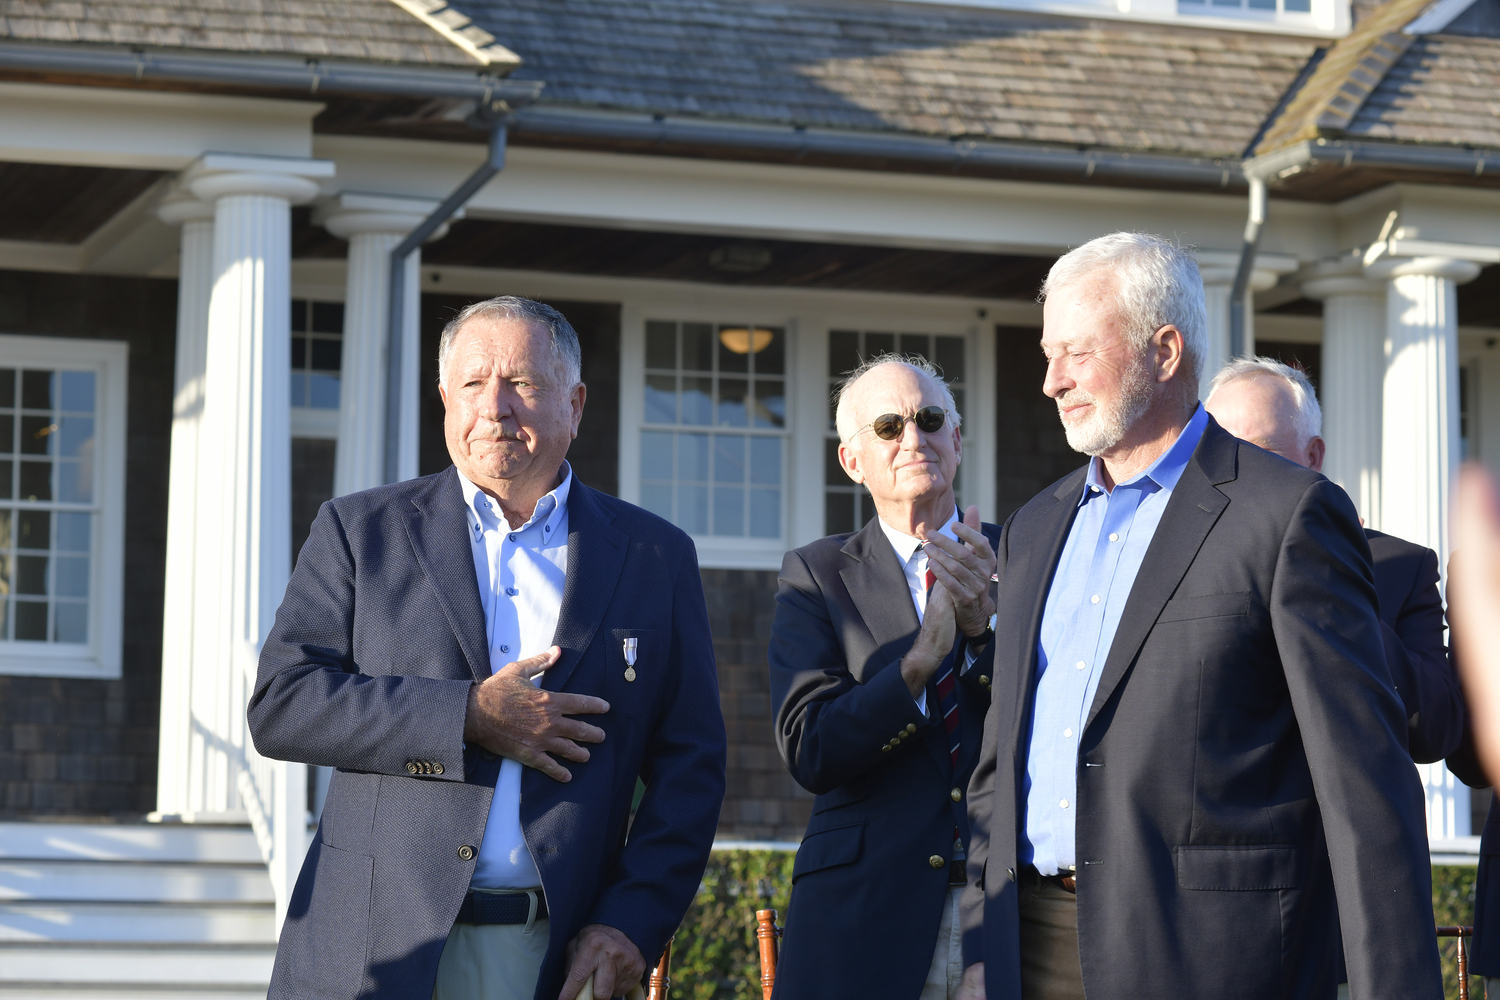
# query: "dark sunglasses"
{"type": "Point", "coordinates": [889, 426]}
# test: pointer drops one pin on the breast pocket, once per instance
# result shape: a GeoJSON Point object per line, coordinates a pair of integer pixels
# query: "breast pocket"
{"type": "Point", "coordinates": [1182, 609]}
{"type": "Point", "coordinates": [635, 668]}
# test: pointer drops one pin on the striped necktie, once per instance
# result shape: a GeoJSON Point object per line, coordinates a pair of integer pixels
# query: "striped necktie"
{"type": "Point", "coordinates": [947, 691]}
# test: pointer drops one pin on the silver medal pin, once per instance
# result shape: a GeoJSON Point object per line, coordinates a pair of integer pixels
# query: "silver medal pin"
{"type": "Point", "coordinates": [630, 647]}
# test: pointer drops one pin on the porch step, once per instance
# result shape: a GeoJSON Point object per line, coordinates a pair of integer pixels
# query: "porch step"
{"type": "Point", "coordinates": [131, 911]}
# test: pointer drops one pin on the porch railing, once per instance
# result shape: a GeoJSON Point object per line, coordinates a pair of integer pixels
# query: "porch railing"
{"type": "Point", "coordinates": [275, 795]}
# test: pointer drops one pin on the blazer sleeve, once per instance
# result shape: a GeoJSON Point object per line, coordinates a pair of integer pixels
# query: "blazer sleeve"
{"type": "Point", "coordinates": [659, 869]}
{"type": "Point", "coordinates": [311, 704]}
{"type": "Point", "coordinates": [829, 727]}
{"type": "Point", "coordinates": [1323, 613]}
{"type": "Point", "coordinates": [1435, 704]}
{"type": "Point", "coordinates": [981, 792]}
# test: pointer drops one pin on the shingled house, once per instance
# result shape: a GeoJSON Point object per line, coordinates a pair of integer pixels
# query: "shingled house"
{"type": "Point", "coordinates": [733, 201]}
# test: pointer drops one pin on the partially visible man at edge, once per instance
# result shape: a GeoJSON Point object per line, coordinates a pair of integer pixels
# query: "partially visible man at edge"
{"type": "Point", "coordinates": [1274, 406]}
{"type": "Point", "coordinates": [879, 704]}
{"type": "Point", "coordinates": [435, 640]}
{"type": "Point", "coordinates": [1195, 755]}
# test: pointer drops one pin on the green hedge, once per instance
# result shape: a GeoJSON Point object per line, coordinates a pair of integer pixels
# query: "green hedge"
{"type": "Point", "coordinates": [716, 956]}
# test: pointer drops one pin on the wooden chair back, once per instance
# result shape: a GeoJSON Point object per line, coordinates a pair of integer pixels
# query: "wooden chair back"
{"type": "Point", "coordinates": [769, 935]}
{"type": "Point", "coordinates": [1463, 956]}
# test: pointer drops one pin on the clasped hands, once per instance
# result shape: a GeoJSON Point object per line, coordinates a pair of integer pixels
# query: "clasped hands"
{"type": "Point", "coordinates": [959, 599]}
{"type": "Point", "coordinates": [510, 716]}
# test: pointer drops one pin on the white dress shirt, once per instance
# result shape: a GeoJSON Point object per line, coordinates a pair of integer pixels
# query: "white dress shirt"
{"type": "Point", "coordinates": [913, 558]}
{"type": "Point", "coordinates": [521, 574]}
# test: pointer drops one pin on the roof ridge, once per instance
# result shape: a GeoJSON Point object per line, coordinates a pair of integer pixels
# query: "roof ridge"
{"type": "Point", "coordinates": [1350, 71]}
{"type": "Point", "coordinates": [459, 30]}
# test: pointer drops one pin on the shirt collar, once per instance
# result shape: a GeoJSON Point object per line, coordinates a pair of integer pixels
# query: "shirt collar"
{"type": "Point", "coordinates": [905, 544]}
{"type": "Point", "coordinates": [1166, 470]}
{"type": "Point", "coordinates": [549, 512]}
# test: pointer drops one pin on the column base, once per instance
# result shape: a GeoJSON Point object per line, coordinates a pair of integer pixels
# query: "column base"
{"type": "Point", "coordinates": [228, 817]}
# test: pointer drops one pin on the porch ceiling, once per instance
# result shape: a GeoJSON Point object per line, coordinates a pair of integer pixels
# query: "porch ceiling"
{"type": "Point", "coordinates": [711, 258]}
{"type": "Point", "coordinates": [45, 203]}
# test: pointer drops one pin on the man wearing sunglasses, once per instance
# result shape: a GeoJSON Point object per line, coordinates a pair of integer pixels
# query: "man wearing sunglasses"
{"type": "Point", "coordinates": [878, 653]}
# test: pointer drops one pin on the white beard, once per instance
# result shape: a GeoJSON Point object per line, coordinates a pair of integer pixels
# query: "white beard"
{"type": "Point", "coordinates": [1107, 425]}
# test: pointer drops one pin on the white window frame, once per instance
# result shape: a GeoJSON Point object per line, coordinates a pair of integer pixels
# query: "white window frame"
{"type": "Point", "coordinates": [100, 657]}
{"type": "Point", "coordinates": [807, 324]}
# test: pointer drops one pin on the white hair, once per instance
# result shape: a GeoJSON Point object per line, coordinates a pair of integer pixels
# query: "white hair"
{"type": "Point", "coordinates": [844, 404]}
{"type": "Point", "coordinates": [564, 339]}
{"type": "Point", "coordinates": [1304, 396]}
{"type": "Point", "coordinates": [1157, 284]}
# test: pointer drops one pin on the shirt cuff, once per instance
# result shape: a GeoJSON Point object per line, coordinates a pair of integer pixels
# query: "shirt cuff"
{"type": "Point", "coordinates": [921, 700]}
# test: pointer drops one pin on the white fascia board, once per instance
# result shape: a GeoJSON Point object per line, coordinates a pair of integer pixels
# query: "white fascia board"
{"type": "Point", "coordinates": [774, 201]}
{"type": "Point", "coordinates": [101, 127]}
{"type": "Point", "coordinates": [1434, 213]}
{"type": "Point", "coordinates": [25, 255]}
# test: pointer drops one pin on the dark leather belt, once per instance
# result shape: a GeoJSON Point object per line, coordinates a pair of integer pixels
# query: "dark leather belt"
{"type": "Point", "coordinates": [1067, 883]}
{"type": "Point", "coordinates": [500, 907]}
{"type": "Point", "coordinates": [957, 873]}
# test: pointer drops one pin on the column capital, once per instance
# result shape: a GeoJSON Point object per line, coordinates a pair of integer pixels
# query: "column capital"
{"type": "Point", "coordinates": [1218, 267]}
{"type": "Point", "coordinates": [216, 175]}
{"type": "Point", "coordinates": [1333, 276]}
{"type": "Point", "coordinates": [1452, 268]}
{"type": "Point", "coordinates": [351, 214]}
{"type": "Point", "coordinates": [180, 207]}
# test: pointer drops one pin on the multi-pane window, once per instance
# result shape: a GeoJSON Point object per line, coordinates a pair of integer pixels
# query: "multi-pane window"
{"type": "Point", "coordinates": [1226, 6]}
{"type": "Point", "coordinates": [714, 440]}
{"type": "Point", "coordinates": [47, 503]}
{"type": "Point", "coordinates": [847, 506]}
{"type": "Point", "coordinates": [317, 353]}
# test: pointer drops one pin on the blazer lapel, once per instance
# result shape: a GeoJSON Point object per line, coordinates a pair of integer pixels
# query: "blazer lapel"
{"type": "Point", "coordinates": [438, 528]}
{"type": "Point", "coordinates": [877, 585]}
{"type": "Point", "coordinates": [1192, 511]}
{"type": "Point", "coordinates": [1028, 575]}
{"type": "Point", "coordinates": [596, 555]}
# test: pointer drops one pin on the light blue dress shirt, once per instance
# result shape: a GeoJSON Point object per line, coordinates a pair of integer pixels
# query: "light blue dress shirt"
{"type": "Point", "coordinates": [521, 574]}
{"type": "Point", "coordinates": [1099, 563]}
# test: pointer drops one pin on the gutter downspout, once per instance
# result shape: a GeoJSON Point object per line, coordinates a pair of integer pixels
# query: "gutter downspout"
{"type": "Point", "coordinates": [395, 334]}
{"type": "Point", "coordinates": [1253, 224]}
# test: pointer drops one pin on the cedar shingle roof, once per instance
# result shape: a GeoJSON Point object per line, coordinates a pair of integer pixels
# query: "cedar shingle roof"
{"type": "Point", "coordinates": [1445, 89]}
{"type": "Point", "coordinates": [904, 67]}
{"type": "Point", "coordinates": [376, 30]}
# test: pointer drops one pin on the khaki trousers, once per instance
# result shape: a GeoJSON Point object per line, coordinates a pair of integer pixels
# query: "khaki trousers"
{"type": "Point", "coordinates": [1050, 968]}
{"type": "Point", "coordinates": [947, 970]}
{"type": "Point", "coordinates": [491, 962]}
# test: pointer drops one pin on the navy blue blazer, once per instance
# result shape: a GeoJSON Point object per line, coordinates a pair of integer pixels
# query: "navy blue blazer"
{"type": "Point", "coordinates": [1243, 772]}
{"type": "Point", "coordinates": [368, 668]}
{"type": "Point", "coordinates": [850, 732]}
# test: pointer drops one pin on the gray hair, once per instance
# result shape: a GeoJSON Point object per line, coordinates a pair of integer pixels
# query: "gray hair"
{"type": "Point", "coordinates": [1309, 413]}
{"type": "Point", "coordinates": [843, 407]}
{"type": "Point", "coordinates": [564, 338]}
{"type": "Point", "coordinates": [1157, 284]}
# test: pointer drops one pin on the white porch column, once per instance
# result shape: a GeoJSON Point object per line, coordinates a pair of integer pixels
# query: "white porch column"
{"type": "Point", "coordinates": [374, 225]}
{"type": "Point", "coordinates": [1353, 377]}
{"type": "Point", "coordinates": [242, 557]}
{"type": "Point", "coordinates": [180, 755]}
{"type": "Point", "coordinates": [1419, 443]}
{"type": "Point", "coordinates": [1218, 282]}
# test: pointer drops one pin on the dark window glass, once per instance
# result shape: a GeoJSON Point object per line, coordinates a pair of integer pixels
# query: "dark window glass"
{"type": "Point", "coordinates": [31, 575]}
{"type": "Point", "coordinates": [950, 358]}
{"type": "Point", "coordinates": [299, 352]}
{"type": "Point", "coordinates": [7, 387]}
{"type": "Point", "coordinates": [731, 360]}
{"type": "Point", "coordinates": [299, 315]}
{"type": "Point", "coordinates": [7, 479]}
{"type": "Point", "coordinates": [31, 620]}
{"type": "Point", "coordinates": [36, 390]}
{"type": "Point", "coordinates": [838, 512]}
{"type": "Point", "coordinates": [697, 347]}
{"type": "Point", "coordinates": [915, 343]}
{"type": "Point", "coordinates": [326, 355]}
{"type": "Point", "coordinates": [771, 359]}
{"type": "Point", "coordinates": [661, 344]}
{"type": "Point", "coordinates": [36, 435]}
{"type": "Point", "coordinates": [35, 530]}
{"type": "Point", "coordinates": [879, 343]}
{"type": "Point", "coordinates": [833, 473]}
{"type": "Point", "coordinates": [7, 434]}
{"type": "Point", "coordinates": [843, 351]}
{"type": "Point", "coordinates": [328, 317]}
{"type": "Point", "coordinates": [36, 481]}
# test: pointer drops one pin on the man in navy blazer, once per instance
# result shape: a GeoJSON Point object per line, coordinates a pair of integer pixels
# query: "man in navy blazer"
{"type": "Point", "coordinates": [1275, 407]}
{"type": "Point", "coordinates": [880, 681]}
{"type": "Point", "coordinates": [437, 642]}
